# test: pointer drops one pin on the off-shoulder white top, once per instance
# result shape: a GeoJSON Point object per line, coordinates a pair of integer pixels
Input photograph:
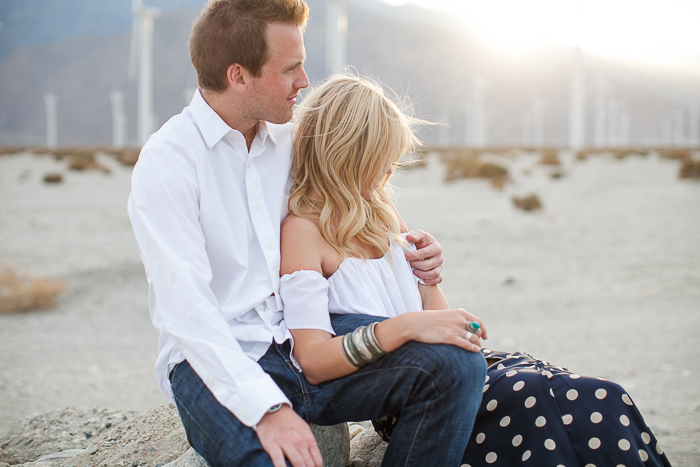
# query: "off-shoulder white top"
{"type": "Point", "coordinates": [379, 287]}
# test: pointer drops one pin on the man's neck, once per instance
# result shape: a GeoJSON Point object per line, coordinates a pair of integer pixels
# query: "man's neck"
{"type": "Point", "coordinates": [226, 109]}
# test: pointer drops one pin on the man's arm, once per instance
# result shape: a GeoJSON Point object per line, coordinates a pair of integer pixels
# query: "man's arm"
{"type": "Point", "coordinates": [164, 211]}
{"type": "Point", "coordinates": [427, 259]}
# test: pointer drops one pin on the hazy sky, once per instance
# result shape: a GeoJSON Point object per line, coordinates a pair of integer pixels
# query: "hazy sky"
{"type": "Point", "coordinates": [660, 32]}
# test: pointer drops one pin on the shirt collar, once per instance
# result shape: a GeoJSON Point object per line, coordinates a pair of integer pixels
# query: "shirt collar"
{"type": "Point", "coordinates": [213, 128]}
{"type": "Point", "coordinates": [264, 131]}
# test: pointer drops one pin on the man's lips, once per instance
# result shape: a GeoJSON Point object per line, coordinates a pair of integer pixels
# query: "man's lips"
{"type": "Point", "coordinates": [292, 99]}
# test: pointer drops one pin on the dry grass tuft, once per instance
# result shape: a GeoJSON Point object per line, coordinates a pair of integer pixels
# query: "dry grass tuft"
{"type": "Point", "coordinates": [675, 153]}
{"type": "Point", "coordinates": [20, 293]}
{"type": "Point", "coordinates": [690, 169]}
{"type": "Point", "coordinates": [550, 157]}
{"type": "Point", "coordinates": [6, 150]}
{"type": "Point", "coordinates": [527, 203]}
{"type": "Point", "coordinates": [83, 161]}
{"type": "Point", "coordinates": [466, 163]}
{"type": "Point", "coordinates": [53, 177]}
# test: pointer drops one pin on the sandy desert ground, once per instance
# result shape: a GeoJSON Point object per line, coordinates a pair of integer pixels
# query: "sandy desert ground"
{"type": "Point", "coordinates": [605, 280]}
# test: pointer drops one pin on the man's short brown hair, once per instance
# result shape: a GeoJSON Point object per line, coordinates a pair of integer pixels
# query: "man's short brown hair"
{"type": "Point", "coordinates": [235, 31]}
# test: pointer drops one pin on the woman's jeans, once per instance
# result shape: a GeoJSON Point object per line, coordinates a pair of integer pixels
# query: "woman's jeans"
{"type": "Point", "coordinates": [433, 389]}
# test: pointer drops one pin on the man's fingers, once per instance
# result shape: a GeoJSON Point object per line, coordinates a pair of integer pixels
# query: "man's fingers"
{"type": "Point", "coordinates": [431, 277]}
{"type": "Point", "coordinates": [315, 453]}
{"type": "Point", "coordinates": [277, 457]}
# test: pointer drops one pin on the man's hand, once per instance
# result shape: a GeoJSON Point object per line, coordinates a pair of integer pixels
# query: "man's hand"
{"type": "Point", "coordinates": [285, 435]}
{"type": "Point", "coordinates": [427, 259]}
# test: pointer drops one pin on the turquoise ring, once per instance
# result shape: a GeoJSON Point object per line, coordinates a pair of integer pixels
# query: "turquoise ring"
{"type": "Point", "coordinates": [473, 327]}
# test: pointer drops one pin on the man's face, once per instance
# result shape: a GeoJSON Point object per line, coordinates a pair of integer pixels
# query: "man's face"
{"type": "Point", "coordinates": [274, 93]}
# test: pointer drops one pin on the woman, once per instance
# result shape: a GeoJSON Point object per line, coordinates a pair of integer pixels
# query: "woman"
{"type": "Point", "coordinates": [342, 253]}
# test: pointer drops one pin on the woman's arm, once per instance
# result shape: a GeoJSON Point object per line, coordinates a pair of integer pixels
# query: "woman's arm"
{"type": "Point", "coordinates": [319, 353]}
{"type": "Point", "coordinates": [432, 297]}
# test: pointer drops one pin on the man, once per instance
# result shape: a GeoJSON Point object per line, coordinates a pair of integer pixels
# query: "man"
{"type": "Point", "coordinates": [208, 194]}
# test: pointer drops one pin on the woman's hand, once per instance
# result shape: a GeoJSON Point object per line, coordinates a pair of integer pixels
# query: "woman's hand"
{"type": "Point", "coordinates": [443, 327]}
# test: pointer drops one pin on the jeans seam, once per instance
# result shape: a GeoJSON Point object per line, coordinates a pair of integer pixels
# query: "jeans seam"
{"type": "Point", "coordinates": [413, 441]}
{"type": "Point", "coordinates": [190, 417]}
{"type": "Point", "coordinates": [304, 394]}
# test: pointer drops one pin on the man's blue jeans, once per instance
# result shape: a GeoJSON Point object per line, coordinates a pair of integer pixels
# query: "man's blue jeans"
{"type": "Point", "coordinates": [434, 389]}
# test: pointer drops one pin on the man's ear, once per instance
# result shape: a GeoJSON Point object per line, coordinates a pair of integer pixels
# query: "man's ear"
{"type": "Point", "coordinates": [238, 77]}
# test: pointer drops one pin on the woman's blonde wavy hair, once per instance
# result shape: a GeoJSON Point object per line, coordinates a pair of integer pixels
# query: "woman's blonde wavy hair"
{"type": "Point", "coordinates": [348, 133]}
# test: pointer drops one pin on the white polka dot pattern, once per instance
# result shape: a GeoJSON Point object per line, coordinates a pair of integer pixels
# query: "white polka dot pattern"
{"type": "Point", "coordinates": [643, 455]}
{"type": "Point", "coordinates": [606, 428]}
{"type": "Point", "coordinates": [659, 449]}
{"type": "Point", "coordinates": [517, 439]}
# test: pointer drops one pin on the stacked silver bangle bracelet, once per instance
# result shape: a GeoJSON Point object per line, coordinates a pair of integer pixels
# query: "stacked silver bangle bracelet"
{"type": "Point", "coordinates": [361, 346]}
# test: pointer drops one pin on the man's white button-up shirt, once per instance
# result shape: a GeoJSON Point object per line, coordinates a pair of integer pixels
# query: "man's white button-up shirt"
{"type": "Point", "coordinates": [206, 213]}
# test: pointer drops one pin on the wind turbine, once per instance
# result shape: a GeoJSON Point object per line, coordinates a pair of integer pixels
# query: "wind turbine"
{"type": "Point", "coordinates": [141, 60]}
{"type": "Point", "coordinates": [478, 124]}
{"type": "Point", "coordinates": [336, 35]}
{"type": "Point", "coordinates": [50, 101]}
{"type": "Point", "coordinates": [118, 119]}
{"type": "Point", "coordinates": [577, 111]}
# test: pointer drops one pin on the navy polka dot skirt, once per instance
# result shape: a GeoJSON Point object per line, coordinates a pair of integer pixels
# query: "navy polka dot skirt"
{"type": "Point", "coordinates": [539, 415]}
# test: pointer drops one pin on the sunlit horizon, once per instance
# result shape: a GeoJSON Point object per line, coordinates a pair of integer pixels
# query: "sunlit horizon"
{"type": "Point", "coordinates": [645, 32]}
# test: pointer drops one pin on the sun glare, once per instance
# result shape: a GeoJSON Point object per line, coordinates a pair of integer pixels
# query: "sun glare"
{"type": "Point", "coordinates": [652, 31]}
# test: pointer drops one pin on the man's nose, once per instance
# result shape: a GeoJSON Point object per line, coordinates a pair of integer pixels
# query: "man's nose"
{"type": "Point", "coordinates": [303, 81]}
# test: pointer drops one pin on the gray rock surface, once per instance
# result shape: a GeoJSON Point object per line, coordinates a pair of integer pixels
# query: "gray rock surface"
{"type": "Point", "coordinates": [367, 449]}
{"type": "Point", "coordinates": [58, 430]}
{"type": "Point", "coordinates": [153, 439]}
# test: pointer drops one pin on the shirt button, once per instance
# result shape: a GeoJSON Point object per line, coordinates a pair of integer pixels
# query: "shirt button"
{"type": "Point", "coordinates": [256, 205]}
{"type": "Point", "coordinates": [269, 245]}
{"type": "Point", "coordinates": [249, 164]}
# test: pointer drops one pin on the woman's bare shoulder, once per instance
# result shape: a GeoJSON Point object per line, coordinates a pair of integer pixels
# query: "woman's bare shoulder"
{"type": "Point", "coordinates": [302, 245]}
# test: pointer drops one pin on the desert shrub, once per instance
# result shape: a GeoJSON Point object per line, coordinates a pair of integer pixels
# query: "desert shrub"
{"type": "Point", "coordinates": [690, 169]}
{"type": "Point", "coordinates": [527, 203]}
{"type": "Point", "coordinates": [41, 151]}
{"type": "Point", "coordinates": [53, 177]}
{"type": "Point", "coordinates": [11, 150]}
{"type": "Point", "coordinates": [556, 175]}
{"type": "Point", "coordinates": [675, 153]}
{"type": "Point", "coordinates": [467, 164]}
{"type": "Point", "coordinates": [21, 293]}
{"type": "Point", "coordinates": [128, 156]}
{"type": "Point", "coordinates": [82, 162]}
{"type": "Point", "coordinates": [550, 157]}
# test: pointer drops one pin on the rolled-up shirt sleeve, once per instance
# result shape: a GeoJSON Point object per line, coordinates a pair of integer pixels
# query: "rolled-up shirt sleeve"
{"type": "Point", "coordinates": [305, 297]}
{"type": "Point", "coordinates": [164, 211]}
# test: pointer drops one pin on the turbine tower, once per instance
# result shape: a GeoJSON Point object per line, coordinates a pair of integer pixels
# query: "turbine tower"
{"type": "Point", "coordinates": [141, 59]}
{"type": "Point", "coordinates": [118, 119]}
{"type": "Point", "coordinates": [336, 35]}
{"type": "Point", "coordinates": [577, 112]}
{"type": "Point", "coordinates": [50, 101]}
{"type": "Point", "coordinates": [478, 124]}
